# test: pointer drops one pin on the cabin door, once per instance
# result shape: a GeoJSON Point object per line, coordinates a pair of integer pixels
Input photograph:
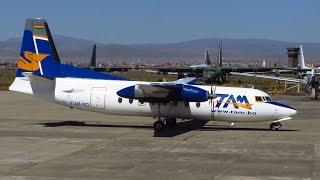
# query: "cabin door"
{"type": "Point", "coordinates": [97, 99]}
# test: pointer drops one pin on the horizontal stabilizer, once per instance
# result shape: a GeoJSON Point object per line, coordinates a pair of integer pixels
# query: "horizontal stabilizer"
{"type": "Point", "coordinates": [43, 87]}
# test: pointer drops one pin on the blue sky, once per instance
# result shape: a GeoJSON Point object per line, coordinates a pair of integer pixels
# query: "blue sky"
{"type": "Point", "coordinates": [165, 21]}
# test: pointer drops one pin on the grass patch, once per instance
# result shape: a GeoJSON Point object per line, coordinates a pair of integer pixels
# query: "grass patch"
{"type": "Point", "coordinates": [6, 79]}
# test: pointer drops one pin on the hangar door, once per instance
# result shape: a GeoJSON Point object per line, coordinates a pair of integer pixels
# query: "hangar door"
{"type": "Point", "coordinates": [97, 99]}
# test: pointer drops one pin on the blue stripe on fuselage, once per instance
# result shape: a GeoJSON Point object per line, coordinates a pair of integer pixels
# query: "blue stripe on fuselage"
{"type": "Point", "coordinates": [279, 104]}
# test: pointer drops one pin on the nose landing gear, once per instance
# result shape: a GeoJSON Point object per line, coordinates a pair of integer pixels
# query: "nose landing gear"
{"type": "Point", "coordinates": [275, 126]}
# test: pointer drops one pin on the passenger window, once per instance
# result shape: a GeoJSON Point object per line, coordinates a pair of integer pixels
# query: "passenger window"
{"type": "Point", "coordinates": [120, 100]}
{"type": "Point", "coordinates": [258, 99]}
{"type": "Point", "coordinates": [130, 101]}
{"type": "Point", "coordinates": [198, 104]}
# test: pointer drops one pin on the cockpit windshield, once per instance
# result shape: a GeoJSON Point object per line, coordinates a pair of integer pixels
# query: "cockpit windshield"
{"type": "Point", "coordinates": [268, 98]}
{"type": "Point", "coordinates": [263, 98]}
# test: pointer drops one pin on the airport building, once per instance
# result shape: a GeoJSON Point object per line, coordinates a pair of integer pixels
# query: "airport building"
{"type": "Point", "coordinates": [293, 55]}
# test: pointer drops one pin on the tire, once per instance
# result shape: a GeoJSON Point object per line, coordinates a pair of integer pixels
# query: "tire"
{"type": "Point", "coordinates": [274, 126]}
{"type": "Point", "coordinates": [158, 125]}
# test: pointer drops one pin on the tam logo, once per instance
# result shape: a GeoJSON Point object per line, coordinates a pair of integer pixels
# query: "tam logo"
{"type": "Point", "coordinates": [239, 101]}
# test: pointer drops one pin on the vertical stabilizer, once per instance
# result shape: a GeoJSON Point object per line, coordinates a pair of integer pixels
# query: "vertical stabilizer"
{"type": "Point", "coordinates": [220, 55]}
{"type": "Point", "coordinates": [301, 59]}
{"type": "Point", "coordinates": [93, 57]}
{"type": "Point", "coordinates": [207, 60]}
{"type": "Point", "coordinates": [38, 53]}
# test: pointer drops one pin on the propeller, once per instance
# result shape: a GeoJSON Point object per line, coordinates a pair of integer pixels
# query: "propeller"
{"type": "Point", "coordinates": [212, 96]}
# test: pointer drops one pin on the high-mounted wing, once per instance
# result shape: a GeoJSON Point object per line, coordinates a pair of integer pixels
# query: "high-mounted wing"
{"type": "Point", "coordinates": [301, 81]}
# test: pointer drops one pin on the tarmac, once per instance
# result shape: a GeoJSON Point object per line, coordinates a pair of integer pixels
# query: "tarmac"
{"type": "Point", "coordinates": [41, 140]}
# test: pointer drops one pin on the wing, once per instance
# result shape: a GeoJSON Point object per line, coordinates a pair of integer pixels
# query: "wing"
{"type": "Point", "coordinates": [188, 80]}
{"type": "Point", "coordinates": [246, 69]}
{"type": "Point", "coordinates": [301, 81]}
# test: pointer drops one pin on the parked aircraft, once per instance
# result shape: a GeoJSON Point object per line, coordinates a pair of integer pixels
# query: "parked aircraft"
{"type": "Point", "coordinates": [311, 83]}
{"type": "Point", "coordinates": [208, 72]}
{"type": "Point", "coordinates": [41, 74]}
{"type": "Point", "coordinates": [309, 77]}
{"type": "Point", "coordinates": [302, 70]}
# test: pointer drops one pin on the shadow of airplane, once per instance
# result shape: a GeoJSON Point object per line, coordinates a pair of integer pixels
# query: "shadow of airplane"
{"type": "Point", "coordinates": [180, 128]}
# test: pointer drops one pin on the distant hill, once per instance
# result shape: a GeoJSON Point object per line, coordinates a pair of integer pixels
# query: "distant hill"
{"type": "Point", "coordinates": [233, 49]}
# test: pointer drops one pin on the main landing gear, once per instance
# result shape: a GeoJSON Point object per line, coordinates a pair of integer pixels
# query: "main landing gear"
{"type": "Point", "coordinates": [160, 123]}
{"type": "Point", "coordinates": [275, 126]}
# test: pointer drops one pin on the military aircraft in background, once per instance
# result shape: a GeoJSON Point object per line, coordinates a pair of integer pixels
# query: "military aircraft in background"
{"type": "Point", "coordinates": [93, 64]}
{"type": "Point", "coordinates": [208, 72]}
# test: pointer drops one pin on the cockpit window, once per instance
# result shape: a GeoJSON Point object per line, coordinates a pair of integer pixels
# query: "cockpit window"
{"type": "Point", "coordinates": [268, 98]}
{"type": "Point", "coordinates": [259, 99]}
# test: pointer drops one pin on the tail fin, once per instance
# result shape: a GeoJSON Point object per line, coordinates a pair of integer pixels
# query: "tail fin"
{"type": "Point", "coordinates": [39, 58]}
{"type": "Point", "coordinates": [301, 59]}
{"type": "Point", "coordinates": [207, 60]}
{"type": "Point", "coordinates": [38, 53]}
{"type": "Point", "coordinates": [93, 57]}
{"type": "Point", "coordinates": [220, 55]}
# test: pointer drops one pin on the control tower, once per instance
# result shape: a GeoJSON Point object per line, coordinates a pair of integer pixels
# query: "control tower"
{"type": "Point", "coordinates": [293, 55]}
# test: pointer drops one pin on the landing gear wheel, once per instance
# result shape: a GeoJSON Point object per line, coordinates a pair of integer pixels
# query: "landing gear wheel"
{"type": "Point", "coordinates": [279, 124]}
{"type": "Point", "coordinates": [171, 122]}
{"type": "Point", "coordinates": [158, 125]}
{"type": "Point", "coordinates": [275, 126]}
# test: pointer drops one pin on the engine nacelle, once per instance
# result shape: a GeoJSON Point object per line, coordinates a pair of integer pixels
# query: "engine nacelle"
{"type": "Point", "coordinates": [193, 94]}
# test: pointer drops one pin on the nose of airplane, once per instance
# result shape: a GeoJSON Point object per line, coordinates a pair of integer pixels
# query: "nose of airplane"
{"type": "Point", "coordinates": [282, 110]}
{"type": "Point", "coordinates": [291, 112]}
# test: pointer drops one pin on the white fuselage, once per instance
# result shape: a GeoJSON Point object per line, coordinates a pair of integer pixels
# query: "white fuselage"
{"type": "Point", "coordinates": [101, 96]}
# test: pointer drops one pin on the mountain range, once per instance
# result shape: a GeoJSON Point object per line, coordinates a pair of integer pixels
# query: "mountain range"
{"type": "Point", "coordinates": [77, 49]}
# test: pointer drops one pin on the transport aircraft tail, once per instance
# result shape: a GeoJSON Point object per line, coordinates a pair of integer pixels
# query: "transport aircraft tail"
{"type": "Point", "coordinates": [301, 59]}
{"type": "Point", "coordinates": [38, 53]}
{"type": "Point", "coordinates": [93, 57]}
{"type": "Point", "coordinates": [39, 57]}
{"type": "Point", "coordinates": [207, 60]}
{"type": "Point", "coordinates": [220, 55]}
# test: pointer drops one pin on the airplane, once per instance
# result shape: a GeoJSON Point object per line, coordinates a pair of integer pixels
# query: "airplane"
{"type": "Point", "coordinates": [309, 77]}
{"type": "Point", "coordinates": [302, 70]}
{"type": "Point", "coordinates": [206, 63]}
{"type": "Point", "coordinates": [208, 72]}
{"type": "Point", "coordinates": [41, 74]}
{"type": "Point", "coordinates": [93, 64]}
{"type": "Point", "coordinates": [311, 83]}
